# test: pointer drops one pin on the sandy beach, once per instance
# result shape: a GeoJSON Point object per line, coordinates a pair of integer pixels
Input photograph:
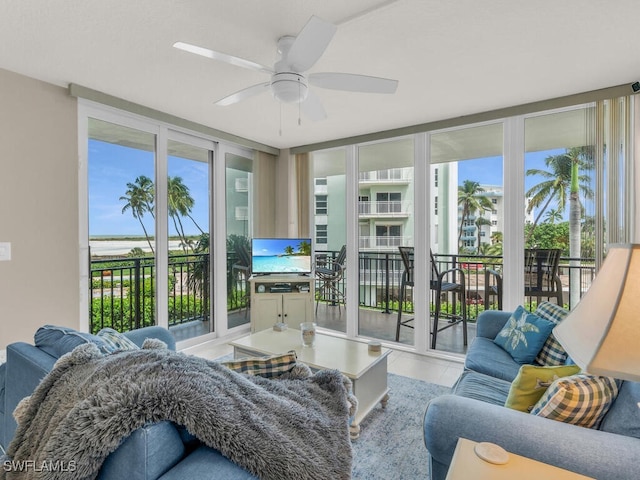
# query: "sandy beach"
{"type": "Point", "coordinates": [101, 248]}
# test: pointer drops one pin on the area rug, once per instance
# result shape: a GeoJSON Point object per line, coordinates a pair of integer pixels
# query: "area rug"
{"type": "Point", "coordinates": [391, 441]}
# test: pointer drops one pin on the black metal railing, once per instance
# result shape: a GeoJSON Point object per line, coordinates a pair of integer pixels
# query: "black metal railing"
{"type": "Point", "coordinates": [122, 291]}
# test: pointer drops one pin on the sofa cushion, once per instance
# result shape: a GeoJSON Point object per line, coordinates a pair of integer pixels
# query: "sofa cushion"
{"type": "Point", "coordinates": [531, 383]}
{"type": "Point", "coordinates": [205, 462]}
{"type": "Point", "coordinates": [146, 454]}
{"type": "Point", "coordinates": [552, 353]}
{"type": "Point", "coordinates": [486, 357]}
{"type": "Point", "coordinates": [269, 366]}
{"type": "Point", "coordinates": [115, 342]}
{"type": "Point", "coordinates": [580, 399]}
{"type": "Point", "coordinates": [481, 387]}
{"type": "Point", "coordinates": [623, 417]}
{"type": "Point", "coordinates": [523, 335]}
{"type": "Point", "coordinates": [56, 341]}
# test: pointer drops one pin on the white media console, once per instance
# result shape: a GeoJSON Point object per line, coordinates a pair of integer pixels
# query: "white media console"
{"type": "Point", "coordinates": [281, 299]}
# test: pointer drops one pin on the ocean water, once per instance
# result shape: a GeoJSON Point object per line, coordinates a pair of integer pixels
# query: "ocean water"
{"type": "Point", "coordinates": [281, 264]}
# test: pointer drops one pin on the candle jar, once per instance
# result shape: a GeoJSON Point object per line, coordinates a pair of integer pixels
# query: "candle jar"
{"type": "Point", "coordinates": [308, 332]}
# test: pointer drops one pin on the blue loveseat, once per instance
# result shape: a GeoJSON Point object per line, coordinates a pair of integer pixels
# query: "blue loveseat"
{"type": "Point", "coordinates": [475, 410]}
{"type": "Point", "coordinates": [157, 451]}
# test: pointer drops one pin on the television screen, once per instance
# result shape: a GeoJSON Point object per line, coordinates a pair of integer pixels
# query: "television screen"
{"type": "Point", "coordinates": [280, 255]}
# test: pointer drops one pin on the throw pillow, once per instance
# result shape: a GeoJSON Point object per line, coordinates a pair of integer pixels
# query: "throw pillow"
{"type": "Point", "coordinates": [270, 366]}
{"type": "Point", "coordinates": [523, 335]}
{"type": "Point", "coordinates": [552, 352]}
{"type": "Point", "coordinates": [581, 400]}
{"type": "Point", "coordinates": [56, 341]}
{"type": "Point", "coordinates": [531, 383]}
{"type": "Point", "coordinates": [115, 341]}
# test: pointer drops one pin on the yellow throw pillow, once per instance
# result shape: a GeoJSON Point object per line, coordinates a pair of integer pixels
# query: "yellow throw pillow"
{"type": "Point", "coordinates": [531, 383]}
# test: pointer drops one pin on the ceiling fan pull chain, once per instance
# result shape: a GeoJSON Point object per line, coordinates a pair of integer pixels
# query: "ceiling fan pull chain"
{"type": "Point", "coordinates": [280, 118]}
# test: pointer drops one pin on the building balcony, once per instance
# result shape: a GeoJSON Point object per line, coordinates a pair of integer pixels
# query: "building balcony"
{"type": "Point", "coordinates": [387, 209]}
{"type": "Point", "coordinates": [391, 176]}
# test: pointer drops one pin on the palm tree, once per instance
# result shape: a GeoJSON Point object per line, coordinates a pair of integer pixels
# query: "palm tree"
{"type": "Point", "coordinates": [553, 215]}
{"type": "Point", "coordinates": [564, 183]}
{"type": "Point", "coordinates": [304, 247]}
{"type": "Point", "coordinates": [470, 196]}
{"type": "Point", "coordinates": [180, 203]}
{"type": "Point", "coordinates": [139, 197]}
{"type": "Point", "coordinates": [480, 222]}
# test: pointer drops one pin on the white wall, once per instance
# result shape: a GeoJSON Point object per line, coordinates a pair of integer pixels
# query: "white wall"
{"type": "Point", "coordinates": [38, 207]}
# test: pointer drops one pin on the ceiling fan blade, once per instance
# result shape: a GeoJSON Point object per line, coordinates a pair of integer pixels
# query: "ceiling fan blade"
{"type": "Point", "coordinates": [312, 108]}
{"type": "Point", "coordinates": [353, 83]}
{"type": "Point", "coordinates": [222, 57]}
{"type": "Point", "coordinates": [310, 44]}
{"type": "Point", "coordinates": [244, 94]}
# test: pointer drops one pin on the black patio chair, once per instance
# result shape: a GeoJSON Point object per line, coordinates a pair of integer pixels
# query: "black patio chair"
{"type": "Point", "coordinates": [329, 273]}
{"type": "Point", "coordinates": [440, 287]}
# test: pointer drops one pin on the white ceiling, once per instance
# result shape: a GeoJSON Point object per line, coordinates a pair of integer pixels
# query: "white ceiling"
{"type": "Point", "coordinates": [451, 58]}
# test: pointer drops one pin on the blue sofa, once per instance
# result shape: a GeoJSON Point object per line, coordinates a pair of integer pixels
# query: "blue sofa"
{"type": "Point", "coordinates": [475, 410]}
{"type": "Point", "coordinates": [157, 451]}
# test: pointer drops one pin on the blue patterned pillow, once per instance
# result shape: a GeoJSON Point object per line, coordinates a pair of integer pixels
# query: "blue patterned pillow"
{"type": "Point", "coordinates": [524, 335]}
{"type": "Point", "coordinates": [115, 341]}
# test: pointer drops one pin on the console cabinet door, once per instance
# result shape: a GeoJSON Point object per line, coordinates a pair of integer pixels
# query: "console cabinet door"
{"type": "Point", "coordinates": [266, 309]}
{"type": "Point", "coordinates": [296, 309]}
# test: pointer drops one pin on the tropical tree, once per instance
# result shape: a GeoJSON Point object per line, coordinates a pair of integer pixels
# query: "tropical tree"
{"type": "Point", "coordinates": [553, 215]}
{"type": "Point", "coordinates": [472, 199]}
{"type": "Point", "coordinates": [481, 222]}
{"type": "Point", "coordinates": [304, 247]}
{"type": "Point", "coordinates": [139, 197]}
{"type": "Point", "coordinates": [288, 250]}
{"type": "Point", "coordinates": [180, 203]}
{"type": "Point", "coordinates": [564, 183]}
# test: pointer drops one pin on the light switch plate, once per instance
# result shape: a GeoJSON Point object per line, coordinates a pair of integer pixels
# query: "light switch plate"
{"type": "Point", "coordinates": [5, 251]}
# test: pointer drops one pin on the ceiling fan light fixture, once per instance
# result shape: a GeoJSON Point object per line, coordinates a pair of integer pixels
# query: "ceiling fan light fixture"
{"type": "Point", "coordinates": [289, 87]}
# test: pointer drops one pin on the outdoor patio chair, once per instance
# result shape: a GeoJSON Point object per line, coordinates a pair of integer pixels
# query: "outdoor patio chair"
{"type": "Point", "coordinates": [439, 287]}
{"type": "Point", "coordinates": [541, 277]}
{"type": "Point", "coordinates": [329, 273]}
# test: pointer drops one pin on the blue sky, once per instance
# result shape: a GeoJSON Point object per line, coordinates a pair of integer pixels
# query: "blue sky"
{"type": "Point", "coordinates": [111, 167]}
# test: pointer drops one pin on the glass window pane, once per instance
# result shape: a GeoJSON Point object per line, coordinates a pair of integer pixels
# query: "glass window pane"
{"type": "Point", "coordinates": [467, 196]}
{"type": "Point", "coordinates": [121, 171]}
{"type": "Point", "coordinates": [559, 194]}
{"type": "Point", "coordinates": [385, 190]}
{"type": "Point", "coordinates": [188, 192]}
{"type": "Point", "coordinates": [239, 185]}
{"type": "Point", "coordinates": [329, 220]}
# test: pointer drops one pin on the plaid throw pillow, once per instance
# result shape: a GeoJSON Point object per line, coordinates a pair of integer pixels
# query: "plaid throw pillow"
{"type": "Point", "coordinates": [552, 353]}
{"type": "Point", "coordinates": [271, 366]}
{"type": "Point", "coordinates": [580, 399]}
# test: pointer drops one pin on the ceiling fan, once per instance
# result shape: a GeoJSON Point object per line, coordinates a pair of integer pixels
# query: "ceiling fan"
{"type": "Point", "coordinates": [290, 81]}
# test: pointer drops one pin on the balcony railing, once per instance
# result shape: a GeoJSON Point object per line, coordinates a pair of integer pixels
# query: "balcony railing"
{"type": "Point", "coordinates": [122, 291]}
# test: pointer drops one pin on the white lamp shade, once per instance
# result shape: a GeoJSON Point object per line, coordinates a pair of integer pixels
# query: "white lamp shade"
{"type": "Point", "coordinates": [602, 333]}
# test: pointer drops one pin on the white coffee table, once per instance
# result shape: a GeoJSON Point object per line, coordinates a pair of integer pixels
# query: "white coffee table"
{"type": "Point", "coordinates": [367, 370]}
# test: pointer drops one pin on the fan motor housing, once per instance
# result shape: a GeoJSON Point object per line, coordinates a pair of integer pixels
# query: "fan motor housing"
{"type": "Point", "coordinates": [289, 87]}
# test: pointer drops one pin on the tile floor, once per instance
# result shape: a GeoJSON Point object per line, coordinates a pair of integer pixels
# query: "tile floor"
{"type": "Point", "coordinates": [430, 369]}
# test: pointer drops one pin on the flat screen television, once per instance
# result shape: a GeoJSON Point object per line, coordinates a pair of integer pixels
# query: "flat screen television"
{"type": "Point", "coordinates": [280, 255]}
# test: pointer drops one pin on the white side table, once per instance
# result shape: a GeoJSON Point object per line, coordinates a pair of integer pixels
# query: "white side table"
{"type": "Point", "coordinates": [467, 465]}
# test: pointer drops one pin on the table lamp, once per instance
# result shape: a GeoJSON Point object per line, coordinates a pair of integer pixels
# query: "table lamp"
{"type": "Point", "coordinates": [602, 333]}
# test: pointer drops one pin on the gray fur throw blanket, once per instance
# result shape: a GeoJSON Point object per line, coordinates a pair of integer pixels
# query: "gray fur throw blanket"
{"type": "Point", "coordinates": [293, 427]}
